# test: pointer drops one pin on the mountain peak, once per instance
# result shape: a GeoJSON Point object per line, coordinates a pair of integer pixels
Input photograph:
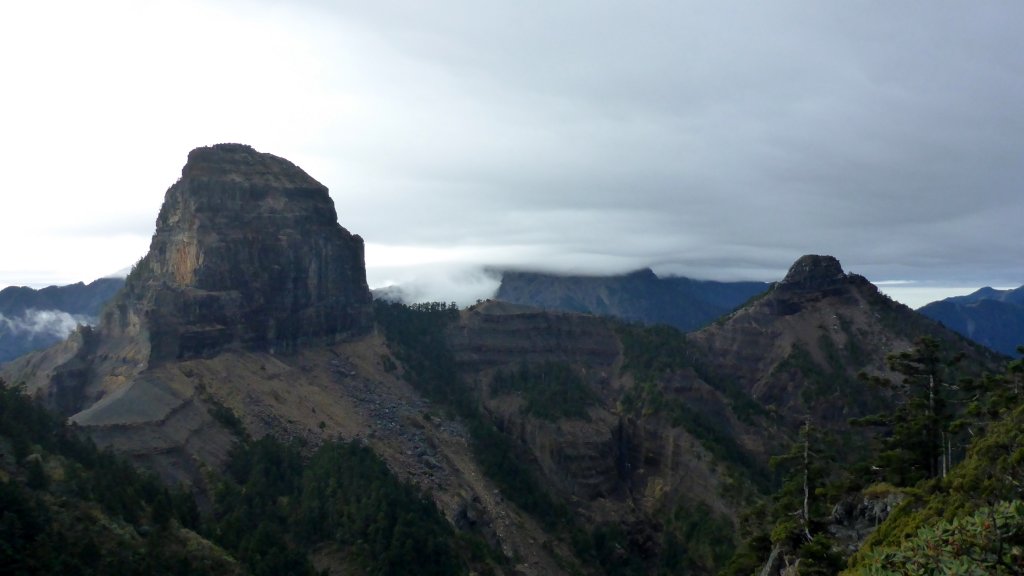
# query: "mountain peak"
{"type": "Point", "coordinates": [247, 250]}
{"type": "Point", "coordinates": [241, 162]}
{"type": "Point", "coordinates": [814, 272]}
{"type": "Point", "coordinates": [642, 274]}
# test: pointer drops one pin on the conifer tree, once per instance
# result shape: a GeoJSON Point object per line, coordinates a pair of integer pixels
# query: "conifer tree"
{"type": "Point", "coordinates": [918, 440]}
{"type": "Point", "coordinates": [800, 506]}
{"type": "Point", "coordinates": [992, 396]}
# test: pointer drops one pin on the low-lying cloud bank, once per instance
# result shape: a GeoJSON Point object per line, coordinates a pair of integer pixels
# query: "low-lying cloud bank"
{"type": "Point", "coordinates": [433, 283]}
{"type": "Point", "coordinates": [54, 323]}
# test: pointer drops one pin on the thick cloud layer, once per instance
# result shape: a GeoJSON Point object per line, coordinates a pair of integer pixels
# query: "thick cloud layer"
{"type": "Point", "coordinates": [717, 140]}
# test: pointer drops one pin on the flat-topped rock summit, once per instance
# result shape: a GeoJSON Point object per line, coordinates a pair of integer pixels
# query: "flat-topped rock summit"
{"type": "Point", "coordinates": [247, 251]}
{"type": "Point", "coordinates": [814, 272]}
{"type": "Point", "coordinates": [247, 255]}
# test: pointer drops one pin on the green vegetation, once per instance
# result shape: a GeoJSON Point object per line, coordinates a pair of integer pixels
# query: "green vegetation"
{"type": "Point", "coordinates": [611, 548]}
{"type": "Point", "coordinates": [854, 347]}
{"type": "Point", "coordinates": [967, 521]}
{"type": "Point", "coordinates": [551, 390]}
{"type": "Point", "coordinates": [817, 382]}
{"type": "Point", "coordinates": [272, 509]}
{"type": "Point", "coordinates": [991, 397]}
{"type": "Point", "coordinates": [416, 335]}
{"type": "Point", "coordinates": [834, 379]}
{"type": "Point", "coordinates": [507, 465]}
{"type": "Point", "coordinates": [226, 417]}
{"type": "Point", "coordinates": [949, 509]}
{"type": "Point", "coordinates": [793, 524]}
{"type": "Point", "coordinates": [914, 449]}
{"type": "Point", "coordinates": [654, 354]}
{"type": "Point", "coordinates": [68, 508]}
{"type": "Point", "coordinates": [918, 437]}
{"type": "Point", "coordinates": [695, 537]}
{"type": "Point", "coordinates": [802, 506]}
{"type": "Point", "coordinates": [940, 527]}
{"type": "Point", "coordinates": [990, 473]}
{"type": "Point", "coordinates": [988, 542]}
{"type": "Point", "coordinates": [710, 429]}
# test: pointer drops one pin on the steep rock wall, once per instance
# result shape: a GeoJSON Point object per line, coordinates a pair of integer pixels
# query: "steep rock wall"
{"type": "Point", "coordinates": [247, 251]}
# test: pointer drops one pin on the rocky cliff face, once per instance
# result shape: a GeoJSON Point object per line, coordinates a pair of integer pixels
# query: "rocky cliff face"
{"type": "Point", "coordinates": [248, 256]}
{"type": "Point", "coordinates": [492, 335]}
{"type": "Point", "coordinates": [814, 273]}
{"type": "Point", "coordinates": [247, 251]}
{"type": "Point", "coordinates": [616, 466]}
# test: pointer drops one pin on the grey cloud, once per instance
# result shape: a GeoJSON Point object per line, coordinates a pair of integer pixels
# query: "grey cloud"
{"type": "Point", "coordinates": [718, 140]}
{"type": "Point", "coordinates": [711, 140]}
{"type": "Point", "coordinates": [459, 283]}
{"type": "Point", "coordinates": [863, 134]}
{"type": "Point", "coordinates": [55, 323]}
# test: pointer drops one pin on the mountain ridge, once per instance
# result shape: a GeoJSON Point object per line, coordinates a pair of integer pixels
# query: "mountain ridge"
{"type": "Point", "coordinates": [570, 443]}
{"type": "Point", "coordinates": [802, 344]}
{"type": "Point", "coordinates": [991, 317]}
{"type": "Point", "coordinates": [639, 296]}
{"type": "Point", "coordinates": [33, 319]}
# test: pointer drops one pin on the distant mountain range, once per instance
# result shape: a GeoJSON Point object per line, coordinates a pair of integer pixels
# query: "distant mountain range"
{"type": "Point", "coordinates": [33, 319]}
{"type": "Point", "coordinates": [993, 318]}
{"type": "Point", "coordinates": [640, 296]}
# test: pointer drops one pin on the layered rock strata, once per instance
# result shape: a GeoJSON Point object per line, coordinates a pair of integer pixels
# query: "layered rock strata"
{"type": "Point", "coordinates": [248, 258]}
{"type": "Point", "coordinates": [247, 251]}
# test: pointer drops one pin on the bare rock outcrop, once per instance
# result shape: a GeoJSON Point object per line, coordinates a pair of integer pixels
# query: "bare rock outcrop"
{"type": "Point", "coordinates": [248, 261]}
{"type": "Point", "coordinates": [493, 334]}
{"type": "Point", "coordinates": [247, 251]}
{"type": "Point", "coordinates": [814, 272]}
{"type": "Point", "coordinates": [247, 254]}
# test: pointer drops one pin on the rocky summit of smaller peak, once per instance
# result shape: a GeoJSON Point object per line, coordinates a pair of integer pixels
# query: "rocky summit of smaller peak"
{"type": "Point", "coordinates": [814, 272]}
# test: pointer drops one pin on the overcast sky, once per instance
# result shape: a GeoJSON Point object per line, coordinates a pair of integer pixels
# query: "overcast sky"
{"type": "Point", "coordinates": [716, 140]}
